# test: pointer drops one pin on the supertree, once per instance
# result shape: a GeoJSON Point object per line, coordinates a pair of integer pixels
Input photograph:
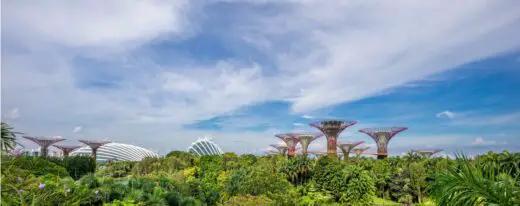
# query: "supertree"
{"type": "Point", "coordinates": [280, 148]}
{"type": "Point", "coordinates": [305, 141]}
{"type": "Point", "coordinates": [331, 129]}
{"type": "Point", "coordinates": [427, 153]}
{"type": "Point", "coordinates": [290, 141]}
{"type": "Point", "coordinates": [382, 136]}
{"type": "Point", "coordinates": [347, 147]}
{"type": "Point", "coordinates": [359, 151]}
{"type": "Point", "coordinates": [66, 149]}
{"type": "Point", "coordinates": [44, 143]}
{"type": "Point", "coordinates": [94, 145]}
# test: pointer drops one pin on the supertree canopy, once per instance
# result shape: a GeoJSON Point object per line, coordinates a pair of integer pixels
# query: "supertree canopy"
{"type": "Point", "coordinates": [347, 147]}
{"type": "Point", "coordinates": [66, 149]}
{"type": "Point", "coordinates": [382, 136]}
{"type": "Point", "coordinates": [359, 151]}
{"type": "Point", "coordinates": [94, 145]}
{"type": "Point", "coordinates": [427, 153]}
{"type": "Point", "coordinates": [44, 142]}
{"type": "Point", "coordinates": [291, 141]}
{"type": "Point", "coordinates": [305, 141]}
{"type": "Point", "coordinates": [282, 149]}
{"type": "Point", "coordinates": [331, 129]}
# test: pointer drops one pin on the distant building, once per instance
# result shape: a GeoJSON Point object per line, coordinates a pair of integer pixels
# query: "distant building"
{"type": "Point", "coordinates": [204, 146]}
{"type": "Point", "coordinates": [116, 152]}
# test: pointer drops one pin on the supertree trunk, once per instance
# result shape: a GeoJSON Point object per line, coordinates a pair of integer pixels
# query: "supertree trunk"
{"type": "Point", "coordinates": [331, 129]}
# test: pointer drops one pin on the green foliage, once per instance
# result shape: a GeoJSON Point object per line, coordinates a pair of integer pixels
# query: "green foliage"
{"type": "Point", "coordinates": [185, 157]}
{"type": "Point", "coordinates": [327, 176]}
{"type": "Point", "coordinates": [37, 166]}
{"type": "Point", "coordinates": [8, 138]}
{"type": "Point", "coordinates": [77, 166]}
{"type": "Point", "coordinates": [471, 183]}
{"type": "Point", "coordinates": [248, 200]}
{"type": "Point", "coordinates": [298, 170]}
{"type": "Point", "coordinates": [117, 169]}
{"type": "Point", "coordinates": [360, 186]}
{"type": "Point", "coordinates": [158, 165]}
{"type": "Point", "coordinates": [182, 179]}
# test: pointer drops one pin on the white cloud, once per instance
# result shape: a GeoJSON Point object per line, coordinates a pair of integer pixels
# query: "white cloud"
{"type": "Point", "coordinates": [323, 54]}
{"type": "Point", "coordinates": [479, 141]}
{"type": "Point", "coordinates": [114, 24]}
{"type": "Point", "coordinates": [77, 129]}
{"type": "Point", "coordinates": [447, 114]}
{"type": "Point", "coordinates": [12, 114]}
{"type": "Point", "coordinates": [307, 117]}
{"type": "Point", "coordinates": [349, 44]}
{"type": "Point", "coordinates": [298, 124]}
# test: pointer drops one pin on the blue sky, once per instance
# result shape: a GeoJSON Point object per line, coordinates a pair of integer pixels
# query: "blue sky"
{"type": "Point", "coordinates": [160, 74]}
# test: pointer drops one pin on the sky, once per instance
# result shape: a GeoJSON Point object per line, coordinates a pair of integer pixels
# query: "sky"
{"type": "Point", "coordinates": [160, 74]}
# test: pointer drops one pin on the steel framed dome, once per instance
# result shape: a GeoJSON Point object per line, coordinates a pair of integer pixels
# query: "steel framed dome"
{"type": "Point", "coordinates": [117, 152]}
{"type": "Point", "coordinates": [204, 146]}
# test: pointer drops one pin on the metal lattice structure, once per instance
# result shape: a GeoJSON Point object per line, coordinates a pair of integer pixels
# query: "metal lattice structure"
{"type": "Point", "coordinates": [204, 146]}
{"type": "Point", "coordinates": [44, 143]}
{"type": "Point", "coordinates": [427, 153]}
{"type": "Point", "coordinates": [306, 140]}
{"type": "Point", "coordinates": [359, 151]}
{"type": "Point", "coordinates": [116, 152]}
{"type": "Point", "coordinates": [94, 145]}
{"type": "Point", "coordinates": [382, 137]}
{"type": "Point", "coordinates": [66, 149]}
{"type": "Point", "coordinates": [331, 129]}
{"type": "Point", "coordinates": [347, 147]}
{"type": "Point", "coordinates": [290, 141]}
{"type": "Point", "coordinates": [282, 149]}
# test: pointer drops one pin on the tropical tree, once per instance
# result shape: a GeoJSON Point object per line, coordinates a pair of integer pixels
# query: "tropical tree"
{"type": "Point", "coordinates": [8, 138]}
{"type": "Point", "coordinates": [470, 183]}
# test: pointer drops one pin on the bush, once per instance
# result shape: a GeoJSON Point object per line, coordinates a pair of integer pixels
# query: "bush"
{"type": "Point", "coordinates": [37, 166]}
{"type": "Point", "coordinates": [77, 166]}
{"type": "Point", "coordinates": [248, 200]}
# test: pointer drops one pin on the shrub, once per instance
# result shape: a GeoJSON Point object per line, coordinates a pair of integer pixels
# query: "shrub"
{"type": "Point", "coordinates": [248, 200]}
{"type": "Point", "coordinates": [77, 166]}
{"type": "Point", "coordinates": [37, 166]}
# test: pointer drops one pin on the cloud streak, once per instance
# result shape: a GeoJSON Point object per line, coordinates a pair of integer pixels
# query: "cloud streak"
{"type": "Point", "coordinates": [308, 53]}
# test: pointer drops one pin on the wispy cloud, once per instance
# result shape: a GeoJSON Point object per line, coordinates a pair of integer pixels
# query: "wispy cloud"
{"type": "Point", "coordinates": [347, 46]}
{"type": "Point", "coordinates": [308, 117]}
{"type": "Point", "coordinates": [479, 141]}
{"type": "Point", "coordinates": [77, 129]}
{"type": "Point", "coordinates": [12, 114]}
{"type": "Point", "coordinates": [447, 114]}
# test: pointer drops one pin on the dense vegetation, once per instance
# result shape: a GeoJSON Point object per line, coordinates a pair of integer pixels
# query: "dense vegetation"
{"type": "Point", "coordinates": [183, 179]}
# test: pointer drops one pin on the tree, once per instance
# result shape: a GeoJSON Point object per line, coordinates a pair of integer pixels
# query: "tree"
{"type": "Point", "coordinates": [418, 179]}
{"type": "Point", "coordinates": [8, 138]}
{"type": "Point", "coordinates": [470, 183]}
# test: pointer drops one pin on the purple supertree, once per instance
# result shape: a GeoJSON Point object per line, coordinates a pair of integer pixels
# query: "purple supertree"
{"type": "Point", "coordinates": [44, 142]}
{"type": "Point", "coordinates": [427, 153]}
{"type": "Point", "coordinates": [282, 149]}
{"type": "Point", "coordinates": [347, 147]}
{"type": "Point", "coordinates": [66, 149]}
{"type": "Point", "coordinates": [306, 140]}
{"type": "Point", "coordinates": [94, 145]}
{"type": "Point", "coordinates": [331, 129]}
{"type": "Point", "coordinates": [382, 136]}
{"type": "Point", "coordinates": [290, 141]}
{"type": "Point", "coordinates": [359, 151]}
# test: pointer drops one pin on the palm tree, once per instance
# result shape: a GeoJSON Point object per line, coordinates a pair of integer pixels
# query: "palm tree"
{"type": "Point", "coordinates": [471, 183]}
{"type": "Point", "coordinates": [8, 138]}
